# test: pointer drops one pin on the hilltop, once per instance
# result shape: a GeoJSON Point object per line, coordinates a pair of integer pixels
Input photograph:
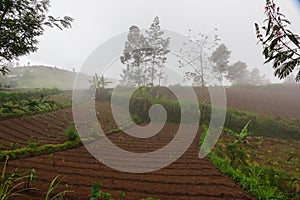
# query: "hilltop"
{"type": "Point", "coordinates": [44, 77]}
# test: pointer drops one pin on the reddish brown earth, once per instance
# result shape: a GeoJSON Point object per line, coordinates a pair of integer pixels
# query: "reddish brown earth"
{"type": "Point", "coordinates": [43, 129]}
{"type": "Point", "coordinates": [187, 178]}
{"type": "Point", "coordinates": [280, 101]}
{"type": "Point", "coordinates": [276, 100]}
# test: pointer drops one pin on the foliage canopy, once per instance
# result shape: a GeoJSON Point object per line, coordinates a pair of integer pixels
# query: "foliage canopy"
{"type": "Point", "coordinates": [21, 22]}
{"type": "Point", "coordinates": [280, 45]}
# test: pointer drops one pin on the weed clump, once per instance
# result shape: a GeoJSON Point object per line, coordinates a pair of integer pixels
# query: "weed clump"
{"type": "Point", "coordinates": [71, 133]}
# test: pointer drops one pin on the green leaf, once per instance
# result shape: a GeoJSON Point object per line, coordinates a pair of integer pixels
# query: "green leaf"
{"type": "Point", "coordinates": [270, 23]}
{"type": "Point", "coordinates": [244, 131]}
{"type": "Point", "coordinates": [293, 38]}
{"type": "Point", "coordinates": [274, 43]}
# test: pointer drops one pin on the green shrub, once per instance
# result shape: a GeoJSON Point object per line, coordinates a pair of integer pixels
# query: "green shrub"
{"type": "Point", "coordinates": [261, 188]}
{"type": "Point", "coordinates": [71, 133]}
{"type": "Point", "coordinates": [261, 125]}
{"type": "Point", "coordinates": [32, 145]}
{"type": "Point", "coordinates": [29, 94]}
{"type": "Point", "coordinates": [98, 194]}
{"type": "Point", "coordinates": [27, 152]}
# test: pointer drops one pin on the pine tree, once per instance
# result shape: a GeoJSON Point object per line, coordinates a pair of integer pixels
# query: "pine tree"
{"type": "Point", "coordinates": [159, 49]}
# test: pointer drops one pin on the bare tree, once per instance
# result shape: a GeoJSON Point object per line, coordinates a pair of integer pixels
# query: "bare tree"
{"type": "Point", "coordinates": [196, 53]}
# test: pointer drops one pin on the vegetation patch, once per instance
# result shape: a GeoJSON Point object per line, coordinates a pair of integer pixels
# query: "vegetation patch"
{"type": "Point", "coordinates": [16, 104]}
{"type": "Point", "coordinates": [261, 125]}
{"type": "Point", "coordinates": [19, 95]}
{"type": "Point", "coordinates": [233, 155]}
{"type": "Point", "coordinates": [27, 152]}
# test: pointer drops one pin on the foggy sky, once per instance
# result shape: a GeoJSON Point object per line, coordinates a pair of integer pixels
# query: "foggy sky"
{"type": "Point", "coordinates": [96, 21]}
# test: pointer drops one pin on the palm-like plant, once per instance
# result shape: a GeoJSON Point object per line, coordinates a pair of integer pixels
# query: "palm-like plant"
{"type": "Point", "coordinates": [99, 81]}
{"type": "Point", "coordinates": [235, 150]}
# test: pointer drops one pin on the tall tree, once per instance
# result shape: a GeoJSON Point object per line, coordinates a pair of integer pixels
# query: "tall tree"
{"type": "Point", "coordinates": [220, 59]}
{"type": "Point", "coordinates": [159, 49]}
{"type": "Point", "coordinates": [21, 22]}
{"type": "Point", "coordinates": [238, 73]}
{"type": "Point", "coordinates": [256, 79]}
{"type": "Point", "coordinates": [280, 45]}
{"type": "Point", "coordinates": [145, 56]}
{"type": "Point", "coordinates": [135, 51]}
{"type": "Point", "coordinates": [196, 53]}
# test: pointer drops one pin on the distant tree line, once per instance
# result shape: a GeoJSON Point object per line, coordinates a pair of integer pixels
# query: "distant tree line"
{"type": "Point", "coordinates": [210, 61]}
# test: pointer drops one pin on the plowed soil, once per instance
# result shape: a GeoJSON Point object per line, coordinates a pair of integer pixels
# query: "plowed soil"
{"type": "Point", "coordinates": [42, 129]}
{"type": "Point", "coordinates": [187, 178]}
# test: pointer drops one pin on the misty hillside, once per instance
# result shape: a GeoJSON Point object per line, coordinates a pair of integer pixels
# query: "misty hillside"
{"type": "Point", "coordinates": [44, 77]}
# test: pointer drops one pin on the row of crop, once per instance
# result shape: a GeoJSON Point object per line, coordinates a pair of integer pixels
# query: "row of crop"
{"type": "Point", "coordinates": [19, 183]}
{"type": "Point", "coordinates": [6, 96]}
{"type": "Point", "coordinates": [27, 107]}
{"type": "Point", "coordinates": [73, 141]}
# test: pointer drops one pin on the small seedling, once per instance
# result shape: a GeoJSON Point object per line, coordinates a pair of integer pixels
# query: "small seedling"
{"type": "Point", "coordinates": [55, 183]}
{"type": "Point", "coordinates": [32, 145]}
{"type": "Point", "coordinates": [121, 138]}
{"type": "Point", "coordinates": [13, 145]}
{"type": "Point", "coordinates": [121, 194]}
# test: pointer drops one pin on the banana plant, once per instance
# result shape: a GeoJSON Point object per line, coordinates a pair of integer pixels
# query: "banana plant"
{"type": "Point", "coordinates": [235, 150]}
{"type": "Point", "coordinates": [99, 82]}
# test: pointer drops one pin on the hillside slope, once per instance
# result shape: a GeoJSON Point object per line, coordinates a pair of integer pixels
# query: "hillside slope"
{"type": "Point", "coordinates": [44, 77]}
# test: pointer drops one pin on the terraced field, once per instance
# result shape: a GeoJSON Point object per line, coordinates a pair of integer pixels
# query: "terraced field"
{"type": "Point", "coordinates": [42, 129]}
{"type": "Point", "coordinates": [187, 178]}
